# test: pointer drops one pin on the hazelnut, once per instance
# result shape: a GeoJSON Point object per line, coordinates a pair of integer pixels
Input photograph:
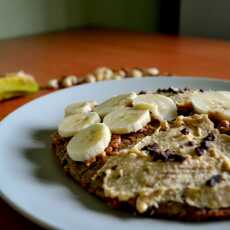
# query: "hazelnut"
{"type": "Point", "coordinates": [121, 72]}
{"type": "Point", "coordinates": [73, 78]}
{"type": "Point", "coordinates": [136, 73]}
{"type": "Point", "coordinates": [90, 78]}
{"type": "Point", "coordinates": [53, 84]}
{"type": "Point", "coordinates": [117, 77]}
{"type": "Point", "coordinates": [103, 73]}
{"type": "Point", "coordinates": [67, 82]}
{"type": "Point", "coordinates": [108, 74]}
{"type": "Point", "coordinates": [151, 71]}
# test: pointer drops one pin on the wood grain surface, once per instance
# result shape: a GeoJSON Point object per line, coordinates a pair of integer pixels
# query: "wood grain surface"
{"type": "Point", "coordinates": [78, 52]}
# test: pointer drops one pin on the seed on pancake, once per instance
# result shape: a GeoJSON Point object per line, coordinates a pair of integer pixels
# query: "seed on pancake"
{"type": "Point", "coordinates": [185, 131]}
{"type": "Point", "coordinates": [214, 180]}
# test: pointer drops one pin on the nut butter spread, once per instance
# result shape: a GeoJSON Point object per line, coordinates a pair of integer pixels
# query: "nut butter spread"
{"type": "Point", "coordinates": [188, 163]}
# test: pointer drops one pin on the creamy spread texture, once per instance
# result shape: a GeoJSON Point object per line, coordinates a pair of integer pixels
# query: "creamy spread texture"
{"type": "Point", "coordinates": [192, 167]}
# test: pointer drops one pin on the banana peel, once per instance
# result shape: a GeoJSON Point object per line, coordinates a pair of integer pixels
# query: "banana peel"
{"type": "Point", "coordinates": [17, 84]}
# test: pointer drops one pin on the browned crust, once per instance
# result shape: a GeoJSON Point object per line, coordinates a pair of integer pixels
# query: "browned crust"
{"type": "Point", "coordinates": [83, 174]}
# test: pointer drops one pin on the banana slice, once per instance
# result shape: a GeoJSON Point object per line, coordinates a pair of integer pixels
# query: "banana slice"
{"type": "Point", "coordinates": [160, 106]}
{"type": "Point", "coordinates": [89, 142]}
{"type": "Point", "coordinates": [79, 107]}
{"type": "Point", "coordinates": [70, 125]}
{"type": "Point", "coordinates": [127, 120]}
{"type": "Point", "coordinates": [225, 93]}
{"type": "Point", "coordinates": [17, 84]}
{"type": "Point", "coordinates": [115, 103]}
{"type": "Point", "coordinates": [215, 102]}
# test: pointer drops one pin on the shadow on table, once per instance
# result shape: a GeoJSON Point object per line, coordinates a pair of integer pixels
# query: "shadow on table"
{"type": "Point", "coordinates": [47, 170]}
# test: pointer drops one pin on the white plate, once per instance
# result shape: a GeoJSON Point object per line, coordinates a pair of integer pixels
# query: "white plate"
{"type": "Point", "coordinates": [33, 183]}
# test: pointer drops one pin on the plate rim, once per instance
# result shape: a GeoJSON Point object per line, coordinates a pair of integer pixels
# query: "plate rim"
{"type": "Point", "coordinates": [19, 208]}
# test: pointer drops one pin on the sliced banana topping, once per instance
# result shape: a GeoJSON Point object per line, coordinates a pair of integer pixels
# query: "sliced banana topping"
{"type": "Point", "coordinates": [216, 102]}
{"type": "Point", "coordinates": [79, 107]}
{"type": "Point", "coordinates": [128, 113]}
{"type": "Point", "coordinates": [225, 93]}
{"type": "Point", "coordinates": [127, 120]}
{"type": "Point", "coordinates": [160, 106]}
{"type": "Point", "coordinates": [89, 143]}
{"type": "Point", "coordinates": [115, 103]}
{"type": "Point", "coordinates": [70, 125]}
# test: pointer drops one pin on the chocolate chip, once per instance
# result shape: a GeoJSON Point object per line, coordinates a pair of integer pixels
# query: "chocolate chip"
{"type": "Point", "coordinates": [176, 158]}
{"type": "Point", "coordinates": [161, 91]}
{"type": "Point", "coordinates": [172, 90]}
{"type": "Point", "coordinates": [169, 90]}
{"type": "Point", "coordinates": [214, 180]}
{"type": "Point", "coordinates": [64, 162]}
{"type": "Point", "coordinates": [151, 148]}
{"type": "Point", "coordinates": [204, 144]}
{"type": "Point", "coordinates": [185, 131]}
{"type": "Point", "coordinates": [169, 155]}
{"type": "Point", "coordinates": [201, 90]}
{"type": "Point", "coordinates": [142, 92]}
{"type": "Point", "coordinates": [210, 137]}
{"type": "Point", "coordinates": [114, 167]}
{"type": "Point", "coordinates": [184, 111]}
{"type": "Point", "coordinates": [166, 155]}
{"type": "Point", "coordinates": [189, 143]}
{"type": "Point", "coordinates": [199, 151]}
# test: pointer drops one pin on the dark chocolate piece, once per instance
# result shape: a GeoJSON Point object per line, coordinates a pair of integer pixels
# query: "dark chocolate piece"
{"type": "Point", "coordinates": [168, 155]}
{"type": "Point", "coordinates": [214, 180]}
{"type": "Point", "coordinates": [189, 143]}
{"type": "Point", "coordinates": [199, 151]}
{"type": "Point", "coordinates": [210, 137]}
{"type": "Point", "coordinates": [185, 131]}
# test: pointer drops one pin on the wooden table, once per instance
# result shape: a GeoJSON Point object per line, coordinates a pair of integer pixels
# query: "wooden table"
{"type": "Point", "coordinates": [78, 52]}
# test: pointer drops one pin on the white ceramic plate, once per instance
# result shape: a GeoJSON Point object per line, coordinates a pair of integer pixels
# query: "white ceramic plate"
{"type": "Point", "coordinates": [33, 183]}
